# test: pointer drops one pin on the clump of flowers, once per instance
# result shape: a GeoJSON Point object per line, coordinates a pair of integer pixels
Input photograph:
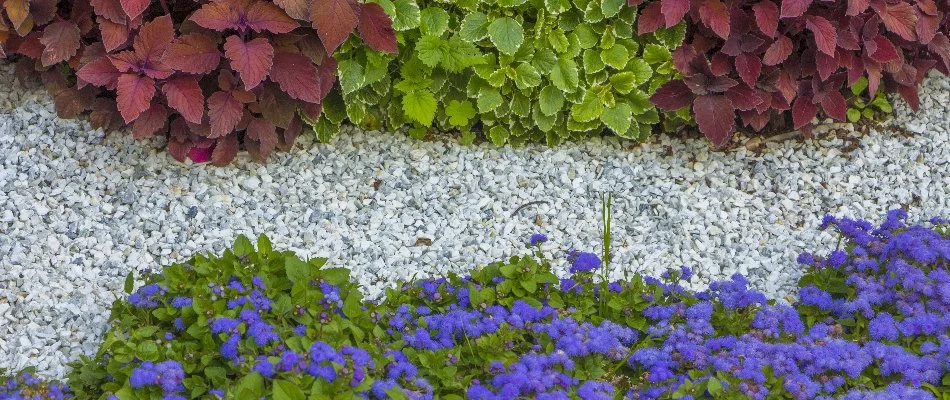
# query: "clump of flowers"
{"type": "Point", "coordinates": [870, 322]}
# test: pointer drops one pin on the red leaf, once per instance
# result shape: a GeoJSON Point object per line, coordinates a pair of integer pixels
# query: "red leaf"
{"type": "Point", "coordinates": [109, 9]}
{"type": "Point", "coordinates": [834, 106]}
{"type": "Point", "coordinates": [151, 121]}
{"type": "Point", "coordinates": [884, 50]}
{"type": "Point", "coordinates": [134, 8]}
{"type": "Point", "coordinates": [803, 111]}
{"type": "Point", "coordinates": [100, 72]}
{"type": "Point", "coordinates": [721, 64]}
{"type": "Point", "coordinates": [754, 119]}
{"type": "Point", "coordinates": [794, 8]}
{"type": "Point", "coordinates": [252, 60]}
{"type": "Point", "coordinates": [113, 35]}
{"type": "Point", "coordinates": [224, 151]}
{"type": "Point", "coordinates": [185, 96]}
{"type": "Point", "coordinates": [334, 20]}
{"type": "Point", "coordinates": [105, 115]}
{"type": "Point", "coordinates": [748, 66]}
{"type": "Point", "coordinates": [715, 117]}
{"type": "Point", "coordinates": [900, 18]}
{"type": "Point", "coordinates": [716, 16]}
{"type": "Point", "coordinates": [265, 16]}
{"type": "Point", "coordinates": [650, 19]}
{"type": "Point", "coordinates": [134, 95]}
{"type": "Point", "coordinates": [376, 28]}
{"type": "Point", "coordinates": [296, 9]}
{"type": "Point", "coordinates": [787, 86]}
{"type": "Point", "coordinates": [224, 111]}
{"type": "Point", "coordinates": [194, 53]}
{"type": "Point", "coordinates": [674, 10]}
{"type": "Point", "coordinates": [826, 36]}
{"type": "Point", "coordinates": [274, 105]}
{"type": "Point", "coordinates": [856, 7]}
{"type": "Point", "coordinates": [153, 38]}
{"type": "Point", "coordinates": [927, 27]}
{"type": "Point", "coordinates": [297, 77]}
{"type": "Point", "coordinates": [825, 64]}
{"type": "Point", "coordinates": [60, 41]}
{"type": "Point", "coordinates": [743, 97]}
{"type": "Point", "coordinates": [766, 17]}
{"type": "Point", "coordinates": [264, 132]}
{"type": "Point", "coordinates": [69, 103]}
{"type": "Point", "coordinates": [326, 74]}
{"type": "Point", "coordinates": [909, 94]}
{"type": "Point", "coordinates": [778, 51]}
{"type": "Point", "coordinates": [218, 15]}
{"type": "Point", "coordinates": [672, 96]}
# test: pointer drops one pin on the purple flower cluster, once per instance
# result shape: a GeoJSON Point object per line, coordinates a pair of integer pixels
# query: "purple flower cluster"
{"type": "Point", "coordinates": [168, 375]}
{"type": "Point", "coordinates": [26, 386]}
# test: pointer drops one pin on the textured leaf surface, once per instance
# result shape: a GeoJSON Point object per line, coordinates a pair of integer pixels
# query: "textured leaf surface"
{"type": "Point", "coordinates": [794, 8]}
{"type": "Point", "coordinates": [60, 41]}
{"type": "Point", "coordinates": [803, 111]}
{"type": "Point", "coordinates": [506, 34]}
{"type": "Point", "coordinates": [150, 122]}
{"type": "Point", "coordinates": [672, 96]}
{"type": "Point", "coordinates": [715, 117]}
{"type": "Point", "coordinates": [834, 106]}
{"type": "Point", "coordinates": [296, 9]}
{"type": "Point", "coordinates": [650, 19]}
{"type": "Point", "coordinates": [194, 53]}
{"type": "Point", "coordinates": [778, 51]}
{"type": "Point", "coordinates": [252, 60]}
{"type": "Point", "coordinates": [716, 16]}
{"type": "Point", "coordinates": [334, 20]}
{"type": "Point", "coordinates": [900, 18]}
{"type": "Point", "coordinates": [134, 8]}
{"type": "Point", "coordinates": [297, 77]}
{"type": "Point", "coordinates": [748, 66]}
{"type": "Point", "coordinates": [224, 113]}
{"type": "Point", "coordinates": [420, 106]}
{"type": "Point", "coordinates": [674, 11]}
{"type": "Point", "coordinates": [225, 149]}
{"type": "Point", "coordinates": [826, 36]}
{"type": "Point", "coordinates": [134, 95]}
{"type": "Point", "coordinates": [184, 95]}
{"type": "Point", "coordinates": [766, 17]}
{"type": "Point", "coordinates": [376, 29]}
{"type": "Point", "coordinates": [99, 72]}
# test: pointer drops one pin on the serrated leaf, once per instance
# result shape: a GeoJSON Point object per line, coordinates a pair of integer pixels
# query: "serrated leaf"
{"type": "Point", "coordinates": [134, 8]}
{"type": "Point", "coordinates": [488, 99]}
{"type": "Point", "coordinates": [826, 35]}
{"type": "Point", "coordinates": [134, 95]}
{"type": "Point", "coordinates": [60, 42]}
{"type": "Point", "coordinates": [526, 76]}
{"type": "Point", "coordinates": [715, 14]}
{"type": "Point", "coordinates": [433, 21]}
{"type": "Point", "coordinates": [715, 117]}
{"type": "Point", "coordinates": [498, 135]}
{"type": "Point", "coordinates": [550, 100]}
{"type": "Point", "coordinates": [257, 15]}
{"type": "Point", "coordinates": [766, 17]}
{"type": "Point", "coordinates": [334, 21]}
{"type": "Point", "coordinates": [641, 70]}
{"type": "Point", "coordinates": [150, 122]}
{"type": "Point", "coordinates": [420, 106]}
{"type": "Point", "coordinates": [589, 109]}
{"type": "Point", "coordinates": [778, 51]}
{"type": "Point", "coordinates": [616, 56]}
{"type": "Point", "coordinates": [297, 77]}
{"type": "Point", "coordinates": [224, 113]}
{"type": "Point", "coordinates": [129, 282]}
{"type": "Point", "coordinates": [252, 60]}
{"type": "Point", "coordinates": [405, 14]}
{"type": "Point", "coordinates": [656, 54]}
{"type": "Point", "coordinates": [506, 34]}
{"type": "Point", "coordinates": [564, 75]}
{"type": "Point", "coordinates": [474, 27]}
{"type": "Point", "coordinates": [376, 28]}
{"type": "Point", "coordinates": [225, 149]}
{"type": "Point", "coordinates": [618, 118]}
{"type": "Point", "coordinates": [430, 49]}
{"type": "Point", "coordinates": [624, 82]}
{"type": "Point", "coordinates": [610, 8]}
{"type": "Point", "coordinates": [674, 11]}
{"type": "Point", "coordinates": [99, 72]}
{"type": "Point", "coordinates": [193, 53]}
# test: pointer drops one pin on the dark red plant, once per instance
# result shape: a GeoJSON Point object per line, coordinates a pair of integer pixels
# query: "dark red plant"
{"type": "Point", "coordinates": [759, 59]}
{"type": "Point", "coordinates": [209, 75]}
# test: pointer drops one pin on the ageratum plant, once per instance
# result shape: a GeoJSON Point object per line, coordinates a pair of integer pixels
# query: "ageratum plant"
{"type": "Point", "coordinates": [513, 70]}
{"type": "Point", "coordinates": [210, 75]}
{"type": "Point", "coordinates": [762, 60]}
{"type": "Point", "coordinates": [870, 322]}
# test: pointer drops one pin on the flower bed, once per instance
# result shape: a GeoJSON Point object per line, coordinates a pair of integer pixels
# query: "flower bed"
{"type": "Point", "coordinates": [871, 322]}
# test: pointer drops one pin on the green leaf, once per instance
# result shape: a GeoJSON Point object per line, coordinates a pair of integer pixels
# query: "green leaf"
{"type": "Point", "coordinates": [434, 21]}
{"type": "Point", "coordinates": [351, 306]}
{"type": "Point", "coordinates": [714, 386]}
{"type": "Point", "coordinates": [511, 3]}
{"type": "Point", "coordinates": [130, 282]}
{"type": "Point", "coordinates": [673, 36]}
{"type": "Point", "coordinates": [474, 27]}
{"type": "Point", "coordinates": [623, 82]}
{"type": "Point", "coordinates": [526, 76]}
{"type": "Point", "coordinates": [586, 37]}
{"type": "Point", "coordinates": [564, 75]}
{"type": "Point", "coordinates": [351, 75]}
{"type": "Point", "coordinates": [286, 390]}
{"type": "Point", "coordinates": [420, 106]}
{"type": "Point", "coordinates": [242, 246]}
{"type": "Point", "coordinates": [405, 15]}
{"type": "Point", "coordinates": [263, 245]}
{"type": "Point", "coordinates": [498, 135]}
{"type": "Point", "coordinates": [430, 50]}
{"type": "Point", "coordinates": [506, 34]}
{"type": "Point", "coordinates": [588, 109]}
{"type": "Point", "coordinates": [611, 7]}
{"type": "Point", "coordinates": [592, 62]}
{"type": "Point", "coordinates": [251, 386]}
{"type": "Point", "coordinates": [854, 115]}
{"type": "Point", "coordinates": [859, 86]}
{"type": "Point", "coordinates": [460, 55]}
{"type": "Point", "coordinates": [550, 100]}
{"type": "Point", "coordinates": [296, 269]}
{"type": "Point", "coordinates": [460, 112]}
{"type": "Point", "coordinates": [618, 118]}
{"type": "Point", "coordinates": [656, 54]}
{"type": "Point", "coordinates": [488, 99]}
{"type": "Point", "coordinates": [641, 70]}
{"type": "Point", "coordinates": [616, 56]}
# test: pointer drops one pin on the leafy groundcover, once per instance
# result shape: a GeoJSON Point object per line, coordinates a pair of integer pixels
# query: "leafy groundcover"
{"type": "Point", "coordinates": [870, 322]}
{"type": "Point", "coordinates": [221, 76]}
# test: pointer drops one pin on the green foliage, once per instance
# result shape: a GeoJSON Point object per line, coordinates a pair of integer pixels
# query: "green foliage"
{"type": "Point", "coordinates": [859, 107]}
{"type": "Point", "coordinates": [511, 71]}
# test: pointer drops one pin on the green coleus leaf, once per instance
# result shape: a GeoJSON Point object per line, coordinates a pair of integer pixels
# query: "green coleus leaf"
{"type": "Point", "coordinates": [433, 21]}
{"type": "Point", "coordinates": [558, 40]}
{"type": "Point", "coordinates": [618, 118]}
{"type": "Point", "coordinates": [854, 115]}
{"type": "Point", "coordinates": [420, 106]}
{"type": "Point", "coordinates": [616, 56]}
{"type": "Point", "coordinates": [557, 6]}
{"type": "Point", "coordinates": [586, 37]}
{"type": "Point", "coordinates": [623, 82]}
{"type": "Point", "coordinates": [526, 76]}
{"type": "Point", "coordinates": [656, 54]}
{"type": "Point", "coordinates": [474, 27]}
{"type": "Point", "coordinates": [488, 99]}
{"type": "Point", "coordinates": [460, 55]}
{"type": "Point", "coordinates": [498, 135]}
{"type": "Point", "coordinates": [611, 7]}
{"type": "Point", "coordinates": [405, 14]}
{"type": "Point", "coordinates": [565, 75]}
{"type": "Point", "coordinates": [592, 62]}
{"type": "Point", "coordinates": [673, 36]}
{"type": "Point", "coordinates": [543, 122]}
{"type": "Point", "coordinates": [641, 70]}
{"type": "Point", "coordinates": [550, 100]}
{"type": "Point", "coordinates": [506, 34]}
{"type": "Point", "coordinates": [460, 112]}
{"type": "Point", "coordinates": [544, 60]}
{"type": "Point", "coordinates": [511, 3]}
{"type": "Point", "coordinates": [351, 75]}
{"type": "Point", "coordinates": [430, 49]}
{"type": "Point", "coordinates": [589, 109]}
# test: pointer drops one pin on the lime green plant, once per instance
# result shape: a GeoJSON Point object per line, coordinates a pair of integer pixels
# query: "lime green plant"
{"type": "Point", "coordinates": [510, 70]}
{"type": "Point", "coordinates": [859, 106]}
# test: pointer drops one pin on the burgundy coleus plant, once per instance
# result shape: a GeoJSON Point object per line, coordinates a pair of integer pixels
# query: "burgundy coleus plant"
{"type": "Point", "coordinates": [761, 59]}
{"type": "Point", "coordinates": [211, 76]}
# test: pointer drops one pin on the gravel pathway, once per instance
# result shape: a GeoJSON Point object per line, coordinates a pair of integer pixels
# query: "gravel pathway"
{"type": "Point", "coordinates": [78, 211]}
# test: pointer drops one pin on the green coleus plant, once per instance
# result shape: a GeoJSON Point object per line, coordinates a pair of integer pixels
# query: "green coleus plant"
{"type": "Point", "coordinates": [512, 70]}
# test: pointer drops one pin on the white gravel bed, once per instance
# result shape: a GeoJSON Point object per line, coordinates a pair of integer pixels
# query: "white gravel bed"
{"type": "Point", "coordinates": [78, 211]}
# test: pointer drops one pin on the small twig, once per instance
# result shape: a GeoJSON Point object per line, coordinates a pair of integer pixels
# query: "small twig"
{"type": "Point", "coordinates": [523, 206]}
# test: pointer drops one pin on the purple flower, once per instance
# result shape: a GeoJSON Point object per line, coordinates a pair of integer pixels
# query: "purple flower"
{"type": "Point", "coordinates": [537, 239]}
{"type": "Point", "coordinates": [584, 262]}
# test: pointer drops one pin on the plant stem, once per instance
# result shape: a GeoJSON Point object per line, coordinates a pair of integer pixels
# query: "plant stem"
{"type": "Point", "coordinates": [165, 7]}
